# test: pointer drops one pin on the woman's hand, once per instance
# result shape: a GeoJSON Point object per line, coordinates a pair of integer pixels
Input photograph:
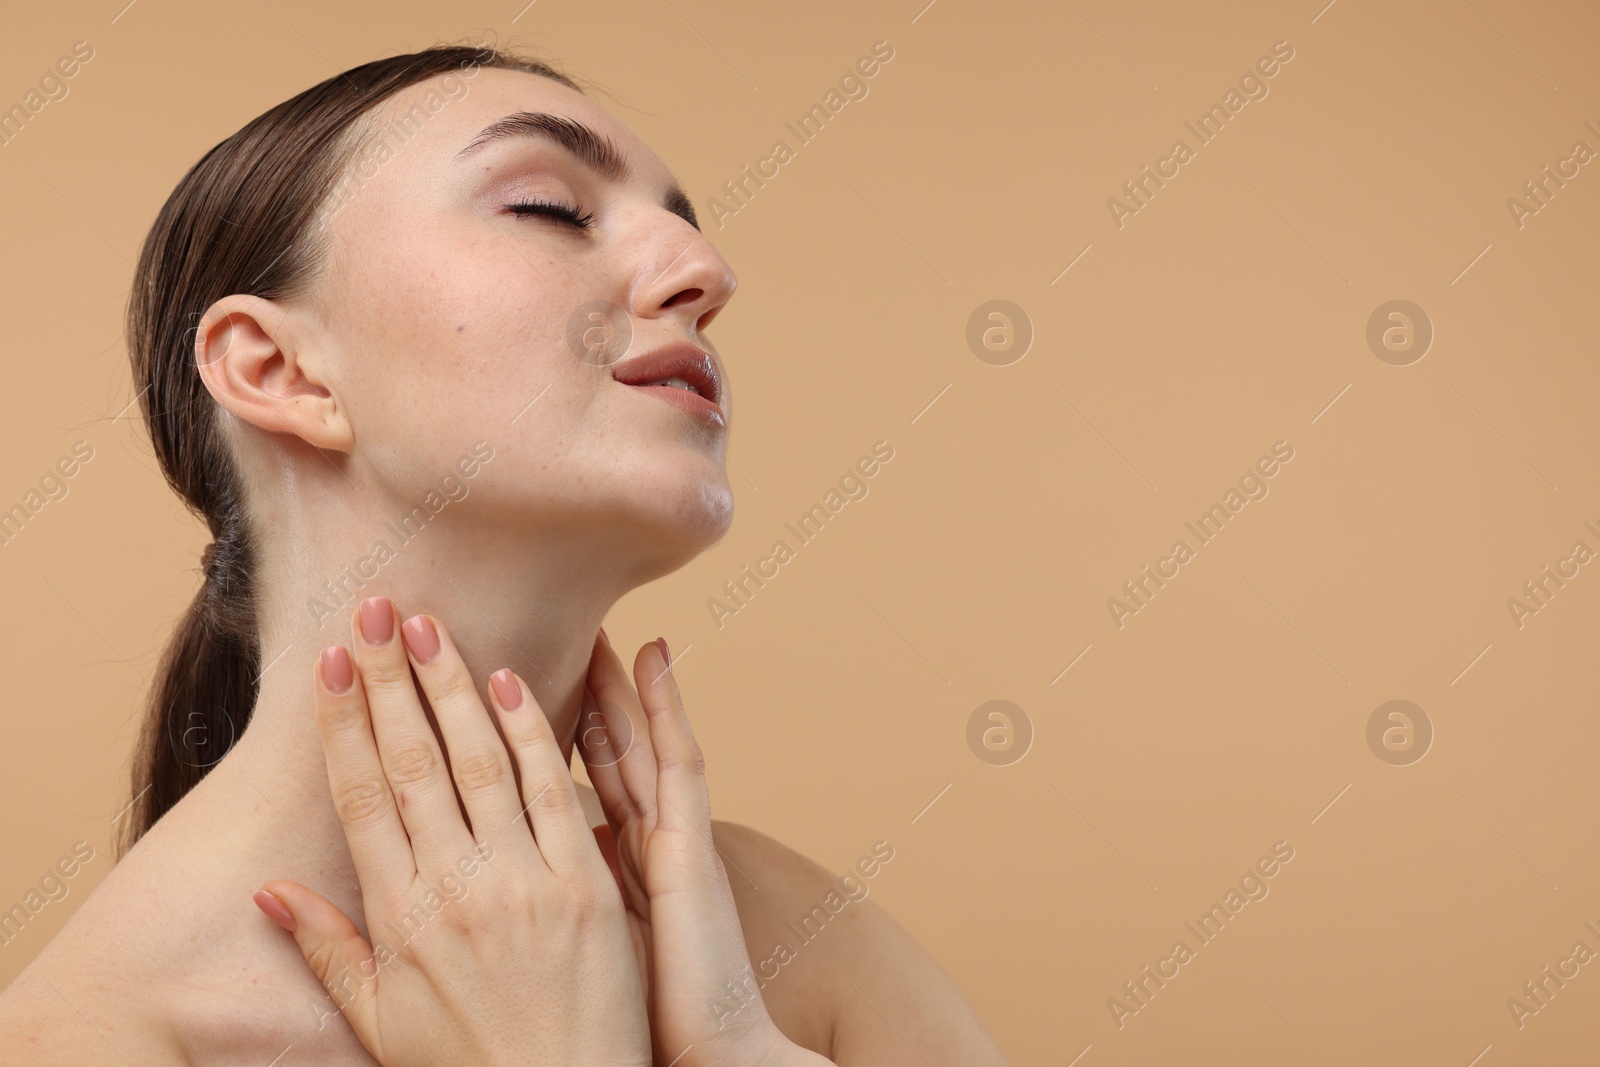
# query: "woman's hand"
{"type": "Point", "coordinates": [489, 946]}
{"type": "Point", "coordinates": [705, 1006]}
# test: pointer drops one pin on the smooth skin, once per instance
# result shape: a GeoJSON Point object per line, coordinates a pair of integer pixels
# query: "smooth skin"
{"type": "Point", "coordinates": [441, 321]}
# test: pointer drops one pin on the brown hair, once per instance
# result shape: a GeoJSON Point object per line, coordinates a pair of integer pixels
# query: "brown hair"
{"type": "Point", "coordinates": [244, 220]}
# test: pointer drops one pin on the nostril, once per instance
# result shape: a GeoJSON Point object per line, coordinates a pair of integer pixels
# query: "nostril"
{"type": "Point", "coordinates": [688, 296]}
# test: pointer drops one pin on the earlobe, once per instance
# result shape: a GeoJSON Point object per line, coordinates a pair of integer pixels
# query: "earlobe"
{"type": "Point", "coordinates": [248, 352]}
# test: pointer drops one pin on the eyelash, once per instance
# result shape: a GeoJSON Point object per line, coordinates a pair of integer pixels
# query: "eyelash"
{"type": "Point", "coordinates": [524, 208]}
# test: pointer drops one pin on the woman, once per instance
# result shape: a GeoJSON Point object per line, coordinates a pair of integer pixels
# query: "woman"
{"type": "Point", "coordinates": [433, 328]}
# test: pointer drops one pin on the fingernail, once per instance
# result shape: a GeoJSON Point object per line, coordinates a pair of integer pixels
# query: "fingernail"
{"type": "Point", "coordinates": [377, 620]}
{"type": "Point", "coordinates": [336, 671]}
{"type": "Point", "coordinates": [422, 638]}
{"type": "Point", "coordinates": [506, 689]}
{"type": "Point", "coordinates": [666, 655]}
{"type": "Point", "coordinates": [605, 636]}
{"type": "Point", "coordinates": [273, 908]}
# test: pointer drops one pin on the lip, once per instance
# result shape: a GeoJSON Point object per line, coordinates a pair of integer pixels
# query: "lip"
{"type": "Point", "coordinates": [681, 360]}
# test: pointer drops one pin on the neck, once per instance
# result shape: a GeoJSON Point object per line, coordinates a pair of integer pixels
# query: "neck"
{"type": "Point", "coordinates": [534, 609]}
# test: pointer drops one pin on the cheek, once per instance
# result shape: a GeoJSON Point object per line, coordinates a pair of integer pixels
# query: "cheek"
{"type": "Point", "coordinates": [444, 352]}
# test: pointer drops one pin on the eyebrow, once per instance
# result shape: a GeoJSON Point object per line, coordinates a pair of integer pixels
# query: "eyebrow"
{"type": "Point", "coordinates": [594, 150]}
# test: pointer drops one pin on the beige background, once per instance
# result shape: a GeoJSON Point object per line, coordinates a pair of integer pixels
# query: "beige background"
{"type": "Point", "coordinates": [1228, 314]}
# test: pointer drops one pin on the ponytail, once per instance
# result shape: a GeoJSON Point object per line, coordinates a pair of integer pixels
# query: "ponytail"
{"type": "Point", "coordinates": [204, 692]}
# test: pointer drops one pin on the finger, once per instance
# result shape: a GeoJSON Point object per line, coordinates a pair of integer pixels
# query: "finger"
{"type": "Point", "coordinates": [680, 765]}
{"type": "Point", "coordinates": [549, 795]}
{"type": "Point", "coordinates": [624, 718]}
{"type": "Point", "coordinates": [479, 764]}
{"type": "Point", "coordinates": [601, 753]}
{"type": "Point", "coordinates": [334, 949]}
{"type": "Point", "coordinates": [412, 761]}
{"type": "Point", "coordinates": [683, 814]}
{"type": "Point", "coordinates": [361, 794]}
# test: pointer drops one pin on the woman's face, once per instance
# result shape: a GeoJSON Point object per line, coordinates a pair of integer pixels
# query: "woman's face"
{"type": "Point", "coordinates": [451, 317]}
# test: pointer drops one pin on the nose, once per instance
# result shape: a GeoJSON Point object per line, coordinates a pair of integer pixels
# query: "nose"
{"type": "Point", "coordinates": [684, 279]}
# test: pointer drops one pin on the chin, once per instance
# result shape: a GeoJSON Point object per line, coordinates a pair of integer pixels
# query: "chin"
{"type": "Point", "coordinates": [691, 513]}
{"type": "Point", "coordinates": [708, 511]}
{"type": "Point", "coordinates": [718, 511]}
{"type": "Point", "coordinates": [677, 528]}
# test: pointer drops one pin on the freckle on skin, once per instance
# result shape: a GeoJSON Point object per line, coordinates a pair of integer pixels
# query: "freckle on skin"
{"type": "Point", "coordinates": [463, 326]}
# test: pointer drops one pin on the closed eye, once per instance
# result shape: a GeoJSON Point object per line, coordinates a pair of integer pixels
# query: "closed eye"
{"type": "Point", "coordinates": [525, 208]}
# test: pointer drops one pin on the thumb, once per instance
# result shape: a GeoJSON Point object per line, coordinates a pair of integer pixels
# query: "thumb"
{"type": "Point", "coordinates": [338, 955]}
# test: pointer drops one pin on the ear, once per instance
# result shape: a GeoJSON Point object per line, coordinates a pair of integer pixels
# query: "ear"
{"type": "Point", "coordinates": [249, 355]}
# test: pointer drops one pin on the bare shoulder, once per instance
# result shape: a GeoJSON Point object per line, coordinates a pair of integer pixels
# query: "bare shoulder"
{"type": "Point", "coordinates": [837, 973]}
{"type": "Point", "coordinates": [149, 969]}
{"type": "Point", "coordinates": [74, 1017]}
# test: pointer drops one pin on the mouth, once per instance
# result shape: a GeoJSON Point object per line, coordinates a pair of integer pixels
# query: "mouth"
{"type": "Point", "coordinates": [680, 374]}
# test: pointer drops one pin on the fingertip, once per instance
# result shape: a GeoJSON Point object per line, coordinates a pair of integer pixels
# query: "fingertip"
{"type": "Point", "coordinates": [662, 677]}
{"type": "Point", "coordinates": [421, 634]}
{"type": "Point", "coordinates": [507, 689]}
{"type": "Point", "coordinates": [274, 908]}
{"type": "Point", "coordinates": [335, 670]}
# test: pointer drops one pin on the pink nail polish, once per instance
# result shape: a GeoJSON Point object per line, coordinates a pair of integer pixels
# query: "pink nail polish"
{"type": "Point", "coordinates": [273, 909]}
{"type": "Point", "coordinates": [421, 637]}
{"type": "Point", "coordinates": [377, 620]}
{"type": "Point", "coordinates": [336, 671]}
{"type": "Point", "coordinates": [666, 654]}
{"type": "Point", "coordinates": [506, 689]}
